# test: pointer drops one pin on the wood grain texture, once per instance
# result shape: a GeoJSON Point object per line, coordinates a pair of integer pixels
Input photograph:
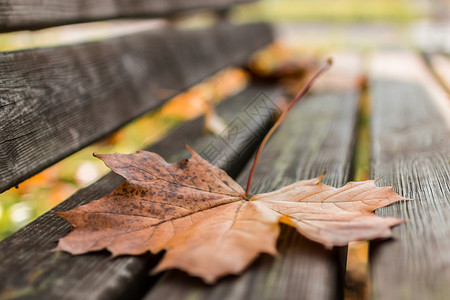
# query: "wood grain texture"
{"type": "Point", "coordinates": [316, 136]}
{"type": "Point", "coordinates": [29, 268]}
{"type": "Point", "coordinates": [411, 152]}
{"type": "Point", "coordinates": [25, 14]}
{"type": "Point", "coordinates": [55, 101]}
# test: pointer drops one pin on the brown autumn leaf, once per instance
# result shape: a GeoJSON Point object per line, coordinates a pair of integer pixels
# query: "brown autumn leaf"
{"type": "Point", "coordinates": [201, 217]}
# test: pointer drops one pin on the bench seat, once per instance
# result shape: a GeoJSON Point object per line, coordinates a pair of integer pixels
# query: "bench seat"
{"type": "Point", "coordinates": [57, 100]}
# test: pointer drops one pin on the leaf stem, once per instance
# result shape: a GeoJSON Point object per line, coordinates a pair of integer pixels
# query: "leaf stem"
{"type": "Point", "coordinates": [299, 96]}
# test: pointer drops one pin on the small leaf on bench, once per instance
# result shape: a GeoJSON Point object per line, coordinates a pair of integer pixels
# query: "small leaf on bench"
{"type": "Point", "coordinates": [207, 225]}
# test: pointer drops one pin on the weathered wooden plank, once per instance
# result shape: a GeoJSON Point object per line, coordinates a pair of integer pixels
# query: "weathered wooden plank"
{"type": "Point", "coordinates": [26, 14]}
{"type": "Point", "coordinates": [411, 152]}
{"type": "Point", "coordinates": [316, 136]}
{"type": "Point", "coordinates": [55, 101]}
{"type": "Point", "coordinates": [30, 270]}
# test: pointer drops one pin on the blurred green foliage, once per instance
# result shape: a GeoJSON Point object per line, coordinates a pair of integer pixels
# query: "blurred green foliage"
{"type": "Point", "coordinates": [330, 11]}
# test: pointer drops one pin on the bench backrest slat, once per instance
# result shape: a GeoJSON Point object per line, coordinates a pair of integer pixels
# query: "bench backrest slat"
{"type": "Point", "coordinates": [55, 101]}
{"type": "Point", "coordinates": [23, 14]}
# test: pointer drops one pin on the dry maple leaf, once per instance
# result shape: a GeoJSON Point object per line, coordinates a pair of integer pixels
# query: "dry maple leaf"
{"type": "Point", "coordinates": [205, 221]}
{"type": "Point", "coordinates": [201, 216]}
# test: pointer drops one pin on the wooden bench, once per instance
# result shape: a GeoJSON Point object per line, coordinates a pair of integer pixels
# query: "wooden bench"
{"type": "Point", "coordinates": [57, 100]}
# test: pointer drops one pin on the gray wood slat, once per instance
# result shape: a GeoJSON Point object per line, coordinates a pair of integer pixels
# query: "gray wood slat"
{"type": "Point", "coordinates": [26, 14]}
{"type": "Point", "coordinates": [411, 152]}
{"type": "Point", "coordinates": [55, 101]}
{"type": "Point", "coordinates": [316, 136]}
{"type": "Point", "coordinates": [29, 269]}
